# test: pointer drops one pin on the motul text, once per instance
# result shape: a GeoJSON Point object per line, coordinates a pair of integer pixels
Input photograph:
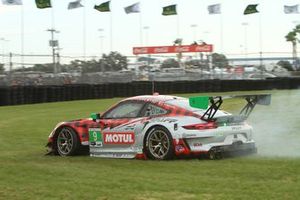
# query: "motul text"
{"type": "Point", "coordinates": [118, 138]}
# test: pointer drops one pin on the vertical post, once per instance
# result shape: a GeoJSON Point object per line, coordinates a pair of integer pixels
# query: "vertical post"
{"type": "Point", "coordinates": [58, 62]}
{"type": "Point", "coordinates": [295, 56]}
{"type": "Point", "coordinates": [101, 41]}
{"type": "Point", "coordinates": [141, 30]}
{"type": "Point", "coordinates": [178, 41]}
{"type": "Point", "coordinates": [53, 44]}
{"type": "Point", "coordinates": [111, 32]}
{"type": "Point", "coordinates": [194, 26]}
{"type": "Point", "coordinates": [221, 33]}
{"type": "Point", "coordinates": [22, 36]}
{"type": "Point", "coordinates": [210, 65]}
{"type": "Point", "coordinates": [260, 46]}
{"type": "Point", "coordinates": [53, 52]}
{"type": "Point", "coordinates": [84, 32]}
{"type": "Point", "coordinates": [245, 24]}
{"type": "Point", "coordinates": [10, 66]}
{"type": "Point", "coordinates": [146, 28]}
{"type": "Point", "coordinates": [178, 26]}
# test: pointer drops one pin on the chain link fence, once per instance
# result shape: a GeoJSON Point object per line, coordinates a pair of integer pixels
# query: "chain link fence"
{"type": "Point", "coordinates": [193, 67]}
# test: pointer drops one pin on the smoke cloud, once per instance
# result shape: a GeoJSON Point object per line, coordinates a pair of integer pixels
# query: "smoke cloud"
{"type": "Point", "coordinates": [276, 128]}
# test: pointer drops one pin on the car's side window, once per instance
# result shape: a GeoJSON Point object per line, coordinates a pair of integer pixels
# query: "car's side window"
{"type": "Point", "coordinates": [128, 109]}
{"type": "Point", "coordinates": [153, 110]}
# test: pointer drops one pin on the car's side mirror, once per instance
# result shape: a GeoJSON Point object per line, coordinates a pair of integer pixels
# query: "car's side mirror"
{"type": "Point", "coordinates": [95, 116]}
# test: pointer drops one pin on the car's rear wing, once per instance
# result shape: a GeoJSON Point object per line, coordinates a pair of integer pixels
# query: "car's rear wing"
{"type": "Point", "coordinates": [213, 104]}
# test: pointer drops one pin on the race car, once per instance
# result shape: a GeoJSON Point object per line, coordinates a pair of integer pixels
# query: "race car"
{"type": "Point", "coordinates": [159, 127]}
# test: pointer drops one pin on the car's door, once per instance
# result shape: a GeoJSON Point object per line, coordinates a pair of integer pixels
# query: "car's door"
{"type": "Point", "coordinates": [117, 128]}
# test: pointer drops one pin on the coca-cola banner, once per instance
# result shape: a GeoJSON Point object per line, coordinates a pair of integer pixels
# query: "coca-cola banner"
{"type": "Point", "coordinates": [173, 49]}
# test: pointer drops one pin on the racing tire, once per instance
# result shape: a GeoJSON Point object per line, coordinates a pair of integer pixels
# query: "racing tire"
{"type": "Point", "coordinates": [67, 142]}
{"type": "Point", "coordinates": [158, 144]}
{"type": "Point", "coordinates": [214, 155]}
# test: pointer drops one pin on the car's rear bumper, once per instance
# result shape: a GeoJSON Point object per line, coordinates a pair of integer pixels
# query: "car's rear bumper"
{"type": "Point", "coordinates": [236, 148]}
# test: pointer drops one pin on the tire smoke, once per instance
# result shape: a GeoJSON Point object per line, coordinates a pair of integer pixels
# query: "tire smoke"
{"type": "Point", "coordinates": [276, 128]}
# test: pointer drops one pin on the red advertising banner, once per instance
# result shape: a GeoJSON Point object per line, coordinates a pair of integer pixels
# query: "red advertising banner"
{"type": "Point", "coordinates": [173, 49]}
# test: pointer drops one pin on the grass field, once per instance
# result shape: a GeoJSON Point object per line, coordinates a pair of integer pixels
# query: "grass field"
{"type": "Point", "coordinates": [25, 173]}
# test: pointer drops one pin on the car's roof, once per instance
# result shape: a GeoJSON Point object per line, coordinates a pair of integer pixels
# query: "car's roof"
{"type": "Point", "coordinates": [154, 98]}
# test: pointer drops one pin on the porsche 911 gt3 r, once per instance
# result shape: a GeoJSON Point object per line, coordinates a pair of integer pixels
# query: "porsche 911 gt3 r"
{"type": "Point", "coordinates": [159, 127]}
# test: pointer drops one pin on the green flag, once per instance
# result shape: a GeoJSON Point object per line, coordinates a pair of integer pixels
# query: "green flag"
{"type": "Point", "coordinates": [43, 4]}
{"type": "Point", "coordinates": [250, 9]}
{"type": "Point", "coordinates": [169, 10]}
{"type": "Point", "coordinates": [103, 7]}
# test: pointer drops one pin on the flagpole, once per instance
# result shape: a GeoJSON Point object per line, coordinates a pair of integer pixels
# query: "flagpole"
{"type": "Point", "coordinates": [111, 33]}
{"type": "Point", "coordinates": [260, 44]}
{"type": "Point", "coordinates": [84, 31]}
{"type": "Point", "coordinates": [22, 35]}
{"type": "Point", "coordinates": [141, 29]}
{"type": "Point", "coordinates": [52, 30]}
{"type": "Point", "coordinates": [221, 33]}
{"type": "Point", "coordinates": [178, 25]}
{"type": "Point", "coordinates": [52, 17]}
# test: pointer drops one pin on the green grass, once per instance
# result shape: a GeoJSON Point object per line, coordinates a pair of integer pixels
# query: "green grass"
{"type": "Point", "coordinates": [25, 173]}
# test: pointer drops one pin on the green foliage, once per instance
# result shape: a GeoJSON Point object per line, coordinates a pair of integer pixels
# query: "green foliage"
{"type": "Point", "coordinates": [2, 69]}
{"type": "Point", "coordinates": [114, 61]}
{"type": "Point", "coordinates": [193, 63]}
{"type": "Point", "coordinates": [170, 63]}
{"type": "Point", "coordinates": [219, 60]}
{"type": "Point", "coordinates": [291, 37]}
{"type": "Point", "coordinates": [197, 63]}
{"type": "Point", "coordinates": [48, 68]}
{"type": "Point", "coordinates": [285, 64]}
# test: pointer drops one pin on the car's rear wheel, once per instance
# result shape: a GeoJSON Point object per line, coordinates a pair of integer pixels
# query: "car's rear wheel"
{"type": "Point", "coordinates": [159, 144]}
{"type": "Point", "coordinates": [67, 142]}
{"type": "Point", "coordinates": [213, 154]}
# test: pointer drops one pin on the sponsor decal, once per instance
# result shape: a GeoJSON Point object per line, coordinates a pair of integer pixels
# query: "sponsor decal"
{"type": "Point", "coordinates": [179, 148]}
{"type": "Point", "coordinates": [95, 137]}
{"type": "Point", "coordinates": [130, 127]}
{"type": "Point", "coordinates": [118, 138]}
{"type": "Point", "coordinates": [173, 49]}
{"type": "Point", "coordinates": [197, 144]}
{"type": "Point", "coordinates": [169, 120]}
{"type": "Point", "coordinates": [236, 128]}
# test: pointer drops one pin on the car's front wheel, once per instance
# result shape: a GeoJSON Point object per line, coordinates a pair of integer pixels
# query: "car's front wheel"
{"type": "Point", "coordinates": [159, 144]}
{"type": "Point", "coordinates": [67, 142]}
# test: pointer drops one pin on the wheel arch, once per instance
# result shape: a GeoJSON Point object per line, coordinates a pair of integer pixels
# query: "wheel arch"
{"type": "Point", "coordinates": [148, 131]}
{"type": "Point", "coordinates": [58, 129]}
{"type": "Point", "coordinates": [170, 151]}
{"type": "Point", "coordinates": [61, 127]}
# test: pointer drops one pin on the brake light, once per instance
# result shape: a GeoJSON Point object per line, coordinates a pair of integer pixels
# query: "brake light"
{"type": "Point", "coordinates": [209, 125]}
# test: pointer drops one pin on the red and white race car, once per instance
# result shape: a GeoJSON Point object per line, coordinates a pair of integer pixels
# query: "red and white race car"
{"type": "Point", "coordinates": [159, 127]}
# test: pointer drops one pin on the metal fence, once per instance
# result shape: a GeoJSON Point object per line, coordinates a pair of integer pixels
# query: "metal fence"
{"type": "Point", "coordinates": [187, 73]}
